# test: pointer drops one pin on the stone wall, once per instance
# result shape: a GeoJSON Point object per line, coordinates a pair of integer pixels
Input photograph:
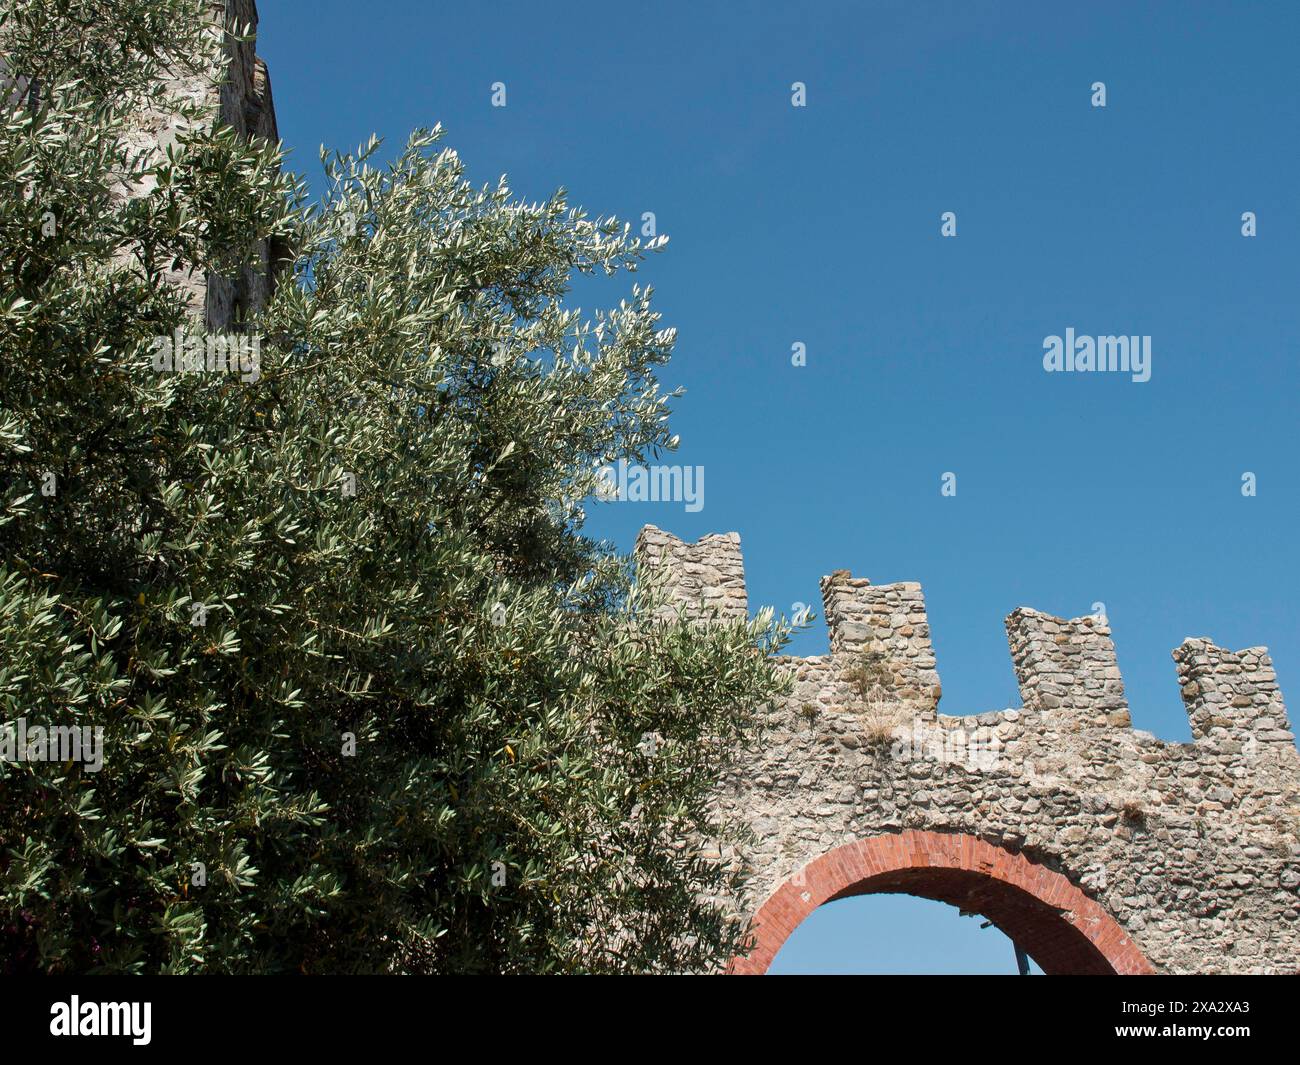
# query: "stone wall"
{"type": "Point", "coordinates": [1193, 849]}
{"type": "Point", "coordinates": [243, 101]}
{"type": "Point", "coordinates": [704, 580]}
{"type": "Point", "coordinates": [884, 627]}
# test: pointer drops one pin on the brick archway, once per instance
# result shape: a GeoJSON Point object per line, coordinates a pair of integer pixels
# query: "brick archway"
{"type": "Point", "coordinates": [1062, 929]}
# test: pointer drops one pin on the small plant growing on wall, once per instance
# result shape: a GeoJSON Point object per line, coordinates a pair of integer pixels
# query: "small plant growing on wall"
{"type": "Point", "coordinates": [870, 674]}
{"type": "Point", "coordinates": [879, 719]}
{"type": "Point", "coordinates": [876, 697]}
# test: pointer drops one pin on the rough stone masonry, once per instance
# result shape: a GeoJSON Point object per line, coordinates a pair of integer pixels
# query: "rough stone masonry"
{"type": "Point", "coordinates": [1097, 847]}
{"type": "Point", "coordinates": [242, 101]}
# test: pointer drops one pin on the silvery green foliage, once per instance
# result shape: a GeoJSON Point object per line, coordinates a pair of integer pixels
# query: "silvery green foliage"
{"type": "Point", "coordinates": [410, 733]}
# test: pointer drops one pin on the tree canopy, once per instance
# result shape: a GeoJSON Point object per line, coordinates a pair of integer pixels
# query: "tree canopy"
{"type": "Point", "coordinates": [370, 699]}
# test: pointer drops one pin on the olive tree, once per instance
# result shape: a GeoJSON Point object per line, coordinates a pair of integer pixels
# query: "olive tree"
{"type": "Point", "coordinates": [369, 699]}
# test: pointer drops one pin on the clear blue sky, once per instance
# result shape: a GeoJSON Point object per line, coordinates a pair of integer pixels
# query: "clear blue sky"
{"type": "Point", "coordinates": [924, 355]}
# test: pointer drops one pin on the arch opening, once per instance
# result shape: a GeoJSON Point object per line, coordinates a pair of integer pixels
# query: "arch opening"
{"type": "Point", "coordinates": [888, 934]}
{"type": "Point", "coordinates": [1062, 929]}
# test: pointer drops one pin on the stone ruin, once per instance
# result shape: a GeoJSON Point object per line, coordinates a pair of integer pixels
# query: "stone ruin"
{"type": "Point", "coordinates": [1096, 847]}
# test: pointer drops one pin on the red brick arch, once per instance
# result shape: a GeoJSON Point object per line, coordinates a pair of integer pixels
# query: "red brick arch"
{"type": "Point", "coordinates": [1062, 929]}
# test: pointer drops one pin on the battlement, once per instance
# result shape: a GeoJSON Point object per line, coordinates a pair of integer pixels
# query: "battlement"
{"type": "Point", "coordinates": [1066, 668]}
{"type": "Point", "coordinates": [1232, 696]}
{"type": "Point", "coordinates": [704, 580]}
{"type": "Point", "coordinates": [1193, 849]}
{"type": "Point", "coordinates": [887, 625]}
{"type": "Point", "coordinates": [1067, 665]}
